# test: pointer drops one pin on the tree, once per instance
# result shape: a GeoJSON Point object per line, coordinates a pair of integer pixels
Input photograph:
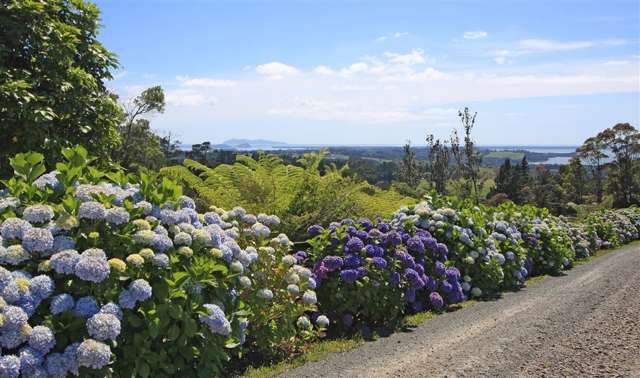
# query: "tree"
{"type": "Point", "coordinates": [135, 131]}
{"type": "Point", "coordinates": [624, 141]}
{"type": "Point", "coordinates": [52, 74]}
{"type": "Point", "coordinates": [438, 164]}
{"type": "Point", "coordinates": [473, 159]}
{"type": "Point", "coordinates": [409, 170]}
{"type": "Point", "coordinates": [573, 178]}
{"type": "Point", "coordinates": [504, 179]}
{"type": "Point", "coordinates": [593, 151]}
{"type": "Point", "coordinates": [169, 146]}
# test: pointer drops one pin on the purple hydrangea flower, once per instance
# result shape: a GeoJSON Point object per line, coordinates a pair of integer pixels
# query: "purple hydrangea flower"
{"type": "Point", "coordinates": [354, 244]}
{"type": "Point", "coordinates": [415, 245]}
{"type": "Point", "coordinates": [352, 261]}
{"type": "Point", "coordinates": [436, 301]}
{"type": "Point", "coordinates": [332, 262]}
{"type": "Point", "coordinates": [314, 230]}
{"type": "Point", "coordinates": [349, 275]}
{"type": "Point", "coordinates": [379, 262]}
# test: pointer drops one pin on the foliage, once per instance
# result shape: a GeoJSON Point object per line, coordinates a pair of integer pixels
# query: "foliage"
{"type": "Point", "coordinates": [124, 266]}
{"type": "Point", "coordinates": [52, 75]}
{"type": "Point", "coordinates": [299, 195]}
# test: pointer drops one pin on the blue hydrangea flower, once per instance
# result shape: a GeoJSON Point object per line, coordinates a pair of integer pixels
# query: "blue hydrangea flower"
{"type": "Point", "coordinates": [379, 262]}
{"type": "Point", "coordinates": [42, 339]}
{"type": "Point", "coordinates": [354, 245]}
{"type": "Point", "coordinates": [259, 230]}
{"type": "Point", "coordinates": [86, 307]}
{"type": "Point", "coordinates": [12, 338]}
{"type": "Point", "coordinates": [212, 218]}
{"type": "Point", "coordinates": [8, 202]}
{"type": "Point", "coordinates": [160, 260]}
{"type": "Point", "coordinates": [265, 294]}
{"type": "Point", "coordinates": [216, 320]}
{"type": "Point", "coordinates": [93, 354]}
{"type": "Point", "coordinates": [91, 267]}
{"type": "Point", "coordinates": [162, 243]}
{"type": "Point", "coordinates": [37, 213]}
{"type": "Point", "coordinates": [71, 355]}
{"type": "Point", "coordinates": [333, 262]}
{"type": "Point", "coordinates": [91, 210]}
{"type": "Point", "coordinates": [414, 244]}
{"type": "Point", "coordinates": [61, 303]}
{"type": "Point", "coordinates": [9, 366]}
{"type": "Point", "coordinates": [126, 300]}
{"type": "Point", "coordinates": [349, 275]}
{"type": "Point", "coordinates": [182, 238]}
{"type": "Point", "coordinates": [13, 228]}
{"type": "Point", "coordinates": [64, 262]}
{"type": "Point", "coordinates": [352, 261]}
{"type": "Point", "coordinates": [309, 297]}
{"type": "Point", "coordinates": [322, 321]}
{"type": "Point", "coordinates": [13, 255]}
{"type": "Point", "coordinates": [56, 365]}
{"type": "Point", "coordinates": [145, 206]}
{"type": "Point", "coordinates": [140, 290]}
{"type": "Point", "coordinates": [14, 318]}
{"type": "Point", "coordinates": [113, 309]}
{"type": "Point", "coordinates": [436, 301]}
{"type": "Point", "coordinates": [186, 203]}
{"type": "Point", "coordinates": [5, 277]}
{"type": "Point", "coordinates": [61, 242]}
{"type": "Point", "coordinates": [117, 216]}
{"type": "Point", "coordinates": [41, 286]}
{"type": "Point", "coordinates": [103, 327]}
{"type": "Point", "coordinates": [30, 360]}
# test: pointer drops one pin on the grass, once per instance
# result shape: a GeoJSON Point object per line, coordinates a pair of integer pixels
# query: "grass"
{"type": "Point", "coordinates": [316, 351]}
{"type": "Point", "coordinates": [319, 350]}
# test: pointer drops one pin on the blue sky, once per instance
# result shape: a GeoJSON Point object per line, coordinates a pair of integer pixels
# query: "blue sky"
{"type": "Point", "coordinates": [537, 72]}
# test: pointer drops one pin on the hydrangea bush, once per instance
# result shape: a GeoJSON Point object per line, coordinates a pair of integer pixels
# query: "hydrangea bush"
{"type": "Point", "coordinates": [107, 273]}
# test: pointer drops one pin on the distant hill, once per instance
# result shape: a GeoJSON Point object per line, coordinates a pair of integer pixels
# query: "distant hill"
{"type": "Point", "coordinates": [244, 143]}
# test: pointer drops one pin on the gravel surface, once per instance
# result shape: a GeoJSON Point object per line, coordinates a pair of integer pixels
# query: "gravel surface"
{"type": "Point", "coordinates": [586, 323]}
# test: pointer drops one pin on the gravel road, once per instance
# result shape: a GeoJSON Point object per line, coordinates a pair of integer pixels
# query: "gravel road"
{"type": "Point", "coordinates": [586, 323]}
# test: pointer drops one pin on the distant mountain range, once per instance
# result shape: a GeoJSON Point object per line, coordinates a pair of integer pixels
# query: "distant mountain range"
{"type": "Point", "coordinates": [243, 143]}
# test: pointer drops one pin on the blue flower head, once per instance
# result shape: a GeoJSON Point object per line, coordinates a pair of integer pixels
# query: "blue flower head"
{"type": "Point", "coordinates": [113, 309]}
{"type": "Point", "coordinates": [37, 213]}
{"type": "Point", "coordinates": [216, 320]}
{"type": "Point", "coordinates": [64, 262]}
{"type": "Point", "coordinates": [103, 327]}
{"type": "Point", "coordinates": [93, 354]}
{"type": "Point", "coordinates": [117, 216]}
{"type": "Point", "coordinates": [91, 210]}
{"type": "Point", "coordinates": [30, 359]}
{"type": "Point", "coordinates": [61, 303]}
{"type": "Point", "coordinates": [42, 339]}
{"type": "Point", "coordinates": [140, 290]}
{"type": "Point", "coordinates": [37, 240]}
{"type": "Point", "coordinates": [13, 228]}
{"type": "Point", "coordinates": [41, 286]}
{"type": "Point", "coordinates": [91, 267]}
{"type": "Point", "coordinates": [126, 300]}
{"type": "Point", "coordinates": [86, 307]}
{"type": "Point", "coordinates": [9, 366]}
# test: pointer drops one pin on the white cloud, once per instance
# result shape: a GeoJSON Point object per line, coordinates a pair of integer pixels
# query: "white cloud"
{"type": "Point", "coordinates": [478, 34]}
{"type": "Point", "coordinates": [324, 70]}
{"type": "Point", "coordinates": [391, 36]}
{"type": "Point", "coordinates": [544, 45]}
{"type": "Point", "coordinates": [276, 70]}
{"type": "Point", "coordinates": [412, 58]}
{"type": "Point", "coordinates": [190, 98]}
{"type": "Point", "coordinates": [205, 82]}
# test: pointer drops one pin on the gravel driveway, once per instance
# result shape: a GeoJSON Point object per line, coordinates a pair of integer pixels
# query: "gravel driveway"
{"type": "Point", "coordinates": [586, 323]}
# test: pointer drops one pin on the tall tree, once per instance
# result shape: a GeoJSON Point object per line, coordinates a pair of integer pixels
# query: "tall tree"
{"type": "Point", "coordinates": [409, 169]}
{"type": "Point", "coordinates": [135, 130]}
{"type": "Point", "coordinates": [593, 151]}
{"type": "Point", "coordinates": [624, 142]}
{"type": "Point", "coordinates": [473, 159]}
{"type": "Point", "coordinates": [52, 75]}
{"type": "Point", "coordinates": [438, 164]}
{"type": "Point", "coordinates": [574, 181]}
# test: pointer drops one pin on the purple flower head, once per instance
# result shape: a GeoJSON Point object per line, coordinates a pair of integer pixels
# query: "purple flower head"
{"type": "Point", "coordinates": [453, 274]}
{"type": "Point", "coordinates": [431, 284]}
{"type": "Point", "coordinates": [362, 271]}
{"type": "Point", "coordinates": [300, 256]}
{"type": "Point", "coordinates": [332, 262]}
{"type": "Point", "coordinates": [406, 259]}
{"type": "Point", "coordinates": [379, 262]}
{"type": "Point", "coordinates": [349, 275]}
{"type": "Point", "coordinates": [366, 223]}
{"type": "Point", "coordinates": [352, 261]}
{"type": "Point", "coordinates": [363, 235]}
{"type": "Point", "coordinates": [431, 244]}
{"type": "Point", "coordinates": [354, 244]}
{"type": "Point", "coordinates": [410, 295]}
{"type": "Point", "coordinates": [436, 301]}
{"type": "Point", "coordinates": [422, 234]}
{"type": "Point", "coordinates": [419, 268]}
{"type": "Point", "coordinates": [374, 233]}
{"type": "Point", "coordinates": [414, 279]}
{"type": "Point", "coordinates": [392, 238]}
{"type": "Point", "coordinates": [442, 250]}
{"type": "Point", "coordinates": [395, 278]}
{"type": "Point", "coordinates": [315, 230]}
{"type": "Point", "coordinates": [384, 227]}
{"type": "Point", "coordinates": [414, 244]}
{"type": "Point", "coordinates": [348, 221]}
{"type": "Point", "coordinates": [446, 287]}
{"type": "Point", "coordinates": [439, 268]}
